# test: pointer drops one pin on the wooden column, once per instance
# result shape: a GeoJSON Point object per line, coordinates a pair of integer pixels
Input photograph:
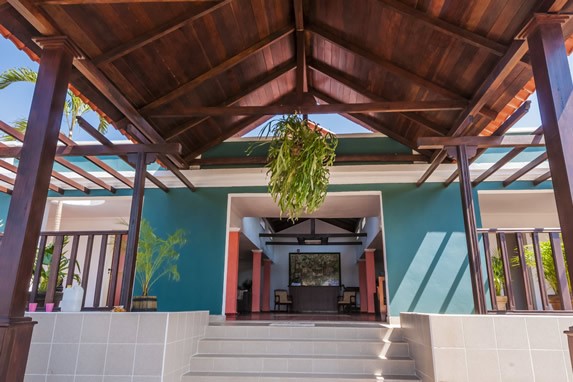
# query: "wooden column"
{"type": "Point", "coordinates": [256, 287]}
{"type": "Point", "coordinates": [140, 161]}
{"type": "Point", "coordinates": [265, 306]}
{"type": "Point", "coordinates": [362, 284]}
{"type": "Point", "coordinates": [478, 291]}
{"type": "Point", "coordinates": [370, 270]}
{"type": "Point", "coordinates": [26, 210]}
{"type": "Point", "coordinates": [232, 272]}
{"type": "Point", "coordinates": [554, 88]}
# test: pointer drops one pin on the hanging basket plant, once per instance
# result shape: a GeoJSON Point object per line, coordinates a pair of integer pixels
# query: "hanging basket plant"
{"type": "Point", "coordinates": [299, 157]}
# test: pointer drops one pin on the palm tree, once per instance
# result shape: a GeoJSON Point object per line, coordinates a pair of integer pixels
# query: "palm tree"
{"type": "Point", "coordinates": [73, 107]}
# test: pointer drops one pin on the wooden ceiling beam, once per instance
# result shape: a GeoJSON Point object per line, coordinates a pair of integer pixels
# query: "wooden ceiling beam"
{"type": "Point", "coordinates": [387, 65]}
{"type": "Point", "coordinates": [215, 71]}
{"type": "Point", "coordinates": [371, 107]}
{"type": "Point", "coordinates": [274, 74]}
{"type": "Point", "coordinates": [155, 34]}
{"type": "Point", "coordinates": [498, 165]}
{"type": "Point", "coordinates": [13, 169]}
{"type": "Point", "coordinates": [340, 159]}
{"type": "Point", "coordinates": [84, 150]}
{"type": "Point", "coordinates": [94, 133]}
{"type": "Point", "coordinates": [527, 168]}
{"type": "Point", "coordinates": [301, 69]}
{"type": "Point", "coordinates": [228, 133]}
{"type": "Point", "coordinates": [353, 84]}
{"type": "Point", "coordinates": [437, 143]}
{"type": "Point", "coordinates": [97, 2]}
{"type": "Point", "coordinates": [542, 178]}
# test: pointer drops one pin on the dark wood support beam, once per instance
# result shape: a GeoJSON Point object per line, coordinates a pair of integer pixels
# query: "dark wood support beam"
{"type": "Point", "coordinates": [13, 169]}
{"type": "Point", "coordinates": [340, 159]}
{"type": "Point", "coordinates": [274, 74]}
{"type": "Point", "coordinates": [154, 35]}
{"type": "Point", "coordinates": [95, 2]}
{"type": "Point", "coordinates": [498, 165]}
{"type": "Point", "coordinates": [106, 142]}
{"type": "Point", "coordinates": [527, 168]}
{"type": "Point", "coordinates": [436, 143]}
{"type": "Point", "coordinates": [371, 107]}
{"type": "Point", "coordinates": [219, 69]}
{"type": "Point", "coordinates": [542, 178]}
{"type": "Point", "coordinates": [501, 130]}
{"type": "Point", "coordinates": [87, 150]}
{"type": "Point", "coordinates": [301, 69]}
{"type": "Point", "coordinates": [352, 83]}
{"type": "Point", "coordinates": [468, 211]}
{"type": "Point", "coordinates": [28, 202]}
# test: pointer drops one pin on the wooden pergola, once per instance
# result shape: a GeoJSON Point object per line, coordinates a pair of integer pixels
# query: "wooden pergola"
{"type": "Point", "coordinates": [197, 72]}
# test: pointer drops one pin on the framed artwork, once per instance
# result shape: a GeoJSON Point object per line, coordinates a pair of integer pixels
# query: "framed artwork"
{"type": "Point", "coordinates": [314, 269]}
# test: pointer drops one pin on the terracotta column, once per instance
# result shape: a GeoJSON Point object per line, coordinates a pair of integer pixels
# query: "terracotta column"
{"type": "Point", "coordinates": [265, 307]}
{"type": "Point", "coordinates": [554, 89]}
{"type": "Point", "coordinates": [362, 283]}
{"type": "Point", "coordinates": [370, 270]}
{"type": "Point", "coordinates": [28, 202]}
{"type": "Point", "coordinates": [256, 288]}
{"type": "Point", "coordinates": [232, 272]}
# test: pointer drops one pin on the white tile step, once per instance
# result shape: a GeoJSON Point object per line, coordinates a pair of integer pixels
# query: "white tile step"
{"type": "Point", "coordinates": [292, 377]}
{"type": "Point", "coordinates": [302, 364]}
{"type": "Point", "coordinates": [304, 347]}
{"type": "Point", "coordinates": [295, 332]}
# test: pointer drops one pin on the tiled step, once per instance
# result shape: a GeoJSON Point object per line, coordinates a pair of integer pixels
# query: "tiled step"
{"type": "Point", "coordinates": [311, 347]}
{"type": "Point", "coordinates": [233, 363]}
{"type": "Point", "coordinates": [292, 377]}
{"type": "Point", "coordinates": [340, 332]}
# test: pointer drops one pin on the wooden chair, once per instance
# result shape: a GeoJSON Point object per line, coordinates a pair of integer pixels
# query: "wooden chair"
{"type": "Point", "coordinates": [347, 301]}
{"type": "Point", "coordinates": [283, 298]}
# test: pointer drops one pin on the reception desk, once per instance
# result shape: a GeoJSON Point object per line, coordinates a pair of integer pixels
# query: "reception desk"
{"type": "Point", "coordinates": [314, 298]}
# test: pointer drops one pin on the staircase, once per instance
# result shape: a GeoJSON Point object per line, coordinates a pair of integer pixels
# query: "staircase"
{"type": "Point", "coordinates": [263, 352]}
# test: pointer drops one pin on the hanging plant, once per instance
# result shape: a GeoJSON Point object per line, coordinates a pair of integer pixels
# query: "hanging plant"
{"type": "Point", "coordinates": [299, 157]}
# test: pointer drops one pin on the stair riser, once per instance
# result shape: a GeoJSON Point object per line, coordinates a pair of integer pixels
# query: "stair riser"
{"type": "Point", "coordinates": [285, 347]}
{"type": "Point", "coordinates": [301, 365]}
{"type": "Point", "coordinates": [219, 378]}
{"type": "Point", "coordinates": [278, 332]}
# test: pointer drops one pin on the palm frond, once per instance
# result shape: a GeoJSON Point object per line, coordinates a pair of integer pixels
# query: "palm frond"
{"type": "Point", "coordinates": [15, 75]}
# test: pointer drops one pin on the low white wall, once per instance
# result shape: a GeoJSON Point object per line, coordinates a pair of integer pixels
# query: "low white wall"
{"type": "Point", "coordinates": [468, 348]}
{"type": "Point", "coordinates": [153, 347]}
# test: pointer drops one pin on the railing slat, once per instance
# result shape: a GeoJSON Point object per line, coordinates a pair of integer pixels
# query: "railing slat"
{"type": "Point", "coordinates": [38, 270]}
{"type": "Point", "coordinates": [73, 257]}
{"type": "Point", "coordinates": [487, 249]}
{"type": "Point", "coordinates": [100, 269]}
{"type": "Point", "coordinates": [114, 270]}
{"type": "Point", "coordinates": [560, 271]}
{"type": "Point", "coordinates": [506, 273]}
{"type": "Point", "coordinates": [540, 272]}
{"type": "Point", "coordinates": [54, 268]}
{"type": "Point", "coordinates": [87, 262]}
{"type": "Point", "coordinates": [524, 270]}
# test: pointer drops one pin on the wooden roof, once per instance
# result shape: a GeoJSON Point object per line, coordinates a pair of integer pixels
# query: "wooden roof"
{"type": "Point", "coordinates": [145, 60]}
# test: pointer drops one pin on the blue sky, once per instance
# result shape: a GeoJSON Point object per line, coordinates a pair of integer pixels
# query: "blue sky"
{"type": "Point", "coordinates": [15, 101]}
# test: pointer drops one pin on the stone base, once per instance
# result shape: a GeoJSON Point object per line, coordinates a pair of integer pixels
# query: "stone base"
{"type": "Point", "coordinates": [15, 339]}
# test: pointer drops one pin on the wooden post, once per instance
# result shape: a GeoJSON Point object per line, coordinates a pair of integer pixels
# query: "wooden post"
{"type": "Point", "coordinates": [265, 307]}
{"type": "Point", "coordinates": [461, 154]}
{"type": "Point", "coordinates": [26, 210]}
{"type": "Point", "coordinates": [256, 287]}
{"type": "Point", "coordinates": [232, 272]}
{"type": "Point", "coordinates": [140, 160]}
{"type": "Point", "coordinates": [362, 284]}
{"type": "Point", "coordinates": [554, 89]}
{"type": "Point", "coordinates": [370, 270]}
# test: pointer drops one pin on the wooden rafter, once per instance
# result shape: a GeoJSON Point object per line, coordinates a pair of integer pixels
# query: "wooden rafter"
{"type": "Point", "coordinates": [542, 178]}
{"type": "Point", "coordinates": [85, 150]}
{"type": "Point", "coordinates": [498, 165]}
{"type": "Point", "coordinates": [106, 142]}
{"type": "Point", "coordinates": [370, 107]}
{"type": "Point", "coordinates": [274, 74]}
{"type": "Point", "coordinates": [13, 169]}
{"type": "Point", "coordinates": [527, 168]}
{"type": "Point", "coordinates": [86, 2]}
{"type": "Point", "coordinates": [352, 83]}
{"type": "Point", "coordinates": [155, 34]}
{"type": "Point", "coordinates": [301, 70]}
{"type": "Point", "coordinates": [505, 126]}
{"type": "Point", "coordinates": [221, 68]}
{"type": "Point", "coordinates": [329, 35]}
{"type": "Point", "coordinates": [436, 143]}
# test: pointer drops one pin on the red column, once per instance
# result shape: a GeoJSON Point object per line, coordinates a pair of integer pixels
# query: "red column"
{"type": "Point", "coordinates": [362, 283]}
{"type": "Point", "coordinates": [256, 289]}
{"type": "Point", "coordinates": [370, 279]}
{"type": "Point", "coordinates": [28, 202]}
{"type": "Point", "coordinates": [266, 285]}
{"type": "Point", "coordinates": [232, 273]}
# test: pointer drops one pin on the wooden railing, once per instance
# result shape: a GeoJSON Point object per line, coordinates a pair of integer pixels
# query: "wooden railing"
{"type": "Point", "coordinates": [526, 270]}
{"type": "Point", "coordinates": [94, 259]}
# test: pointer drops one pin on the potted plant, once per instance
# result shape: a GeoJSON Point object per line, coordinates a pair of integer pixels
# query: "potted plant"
{"type": "Point", "coordinates": [498, 281]}
{"type": "Point", "coordinates": [299, 157]}
{"type": "Point", "coordinates": [156, 258]}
